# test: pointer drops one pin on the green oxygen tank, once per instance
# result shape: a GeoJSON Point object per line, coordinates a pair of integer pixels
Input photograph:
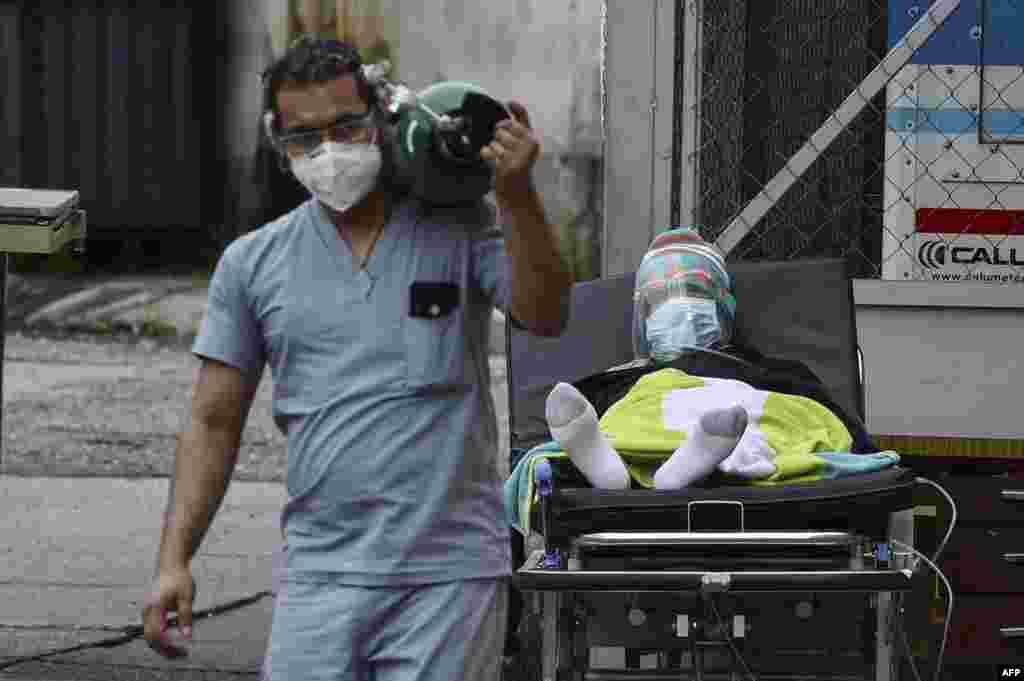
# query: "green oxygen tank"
{"type": "Point", "coordinates": [439, 132]}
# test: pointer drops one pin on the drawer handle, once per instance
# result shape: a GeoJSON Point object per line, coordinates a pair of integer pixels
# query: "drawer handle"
{"type": "Point", "coordinates": [1012, 632]}
{"type": "Point", "coordinates": [1013, 495]}
{"type": "Point", "coordinates": [1014, 558]}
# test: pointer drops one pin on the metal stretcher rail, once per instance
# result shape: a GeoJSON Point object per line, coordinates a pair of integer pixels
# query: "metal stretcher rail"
{"type": "Point", "coordinates": [534, 579]}
{"type": "Point", "coordinates": [695, 539]}
{"type": "Point", "coordinates": [683, 675]}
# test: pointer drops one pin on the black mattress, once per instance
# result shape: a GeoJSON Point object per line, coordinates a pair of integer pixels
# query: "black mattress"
{"type": "Point", "coordinates": [860, 504]}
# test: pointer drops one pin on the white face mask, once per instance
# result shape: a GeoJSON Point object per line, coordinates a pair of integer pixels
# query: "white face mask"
{"type": "Point", "coordinates": [339, 175]}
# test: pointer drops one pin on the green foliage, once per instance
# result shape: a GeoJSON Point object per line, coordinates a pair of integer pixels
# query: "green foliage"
{"type": "Point", "coordinates": [379, 52]}
{"type": "Point", "coordinates": [104, 328]}
{"type": "Point", "coordinates": [201, 278]}
{"type": "Point", "coordinates": [157, 328]}
{"type": "Point", "coordinates": [153, 326]}
{"type": "Point", "coordinates": [203, 272]}
{"type": "Point", "coordinates": [580, 258]}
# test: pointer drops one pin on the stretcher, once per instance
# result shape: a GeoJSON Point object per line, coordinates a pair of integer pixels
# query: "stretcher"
{"type": "Point", "coordinates": [716, 581]}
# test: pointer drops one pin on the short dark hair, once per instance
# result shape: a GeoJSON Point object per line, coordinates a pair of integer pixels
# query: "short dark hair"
{"type": "Point", "coordinates": [312, 59]}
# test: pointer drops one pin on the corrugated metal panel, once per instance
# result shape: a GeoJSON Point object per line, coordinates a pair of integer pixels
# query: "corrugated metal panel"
{"type": "Point", "coordinates": [108, 105]}
{"type": "Point", "coordinates": [10, 111]}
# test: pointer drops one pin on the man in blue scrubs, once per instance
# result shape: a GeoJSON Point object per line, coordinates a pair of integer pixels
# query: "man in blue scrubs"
{"type": "Point", "coordinates": [372, 310]}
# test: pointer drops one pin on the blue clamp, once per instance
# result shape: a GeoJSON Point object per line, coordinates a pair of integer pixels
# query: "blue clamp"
{"type": "Point", "coordinates": [543, 477]}
{"type": "Point", "coordinates": [545, 486]}
{"type": "Point", "coordinates": [552, 560]}
{"type": "Point", "coordinates": [882, 552]}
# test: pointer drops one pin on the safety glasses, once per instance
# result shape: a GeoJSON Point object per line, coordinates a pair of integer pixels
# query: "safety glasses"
{"type": "Point", "coordinates": [347, 129]}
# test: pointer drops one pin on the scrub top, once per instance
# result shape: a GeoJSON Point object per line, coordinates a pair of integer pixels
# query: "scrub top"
{"type": "Point", "coordinates": [381, 385]}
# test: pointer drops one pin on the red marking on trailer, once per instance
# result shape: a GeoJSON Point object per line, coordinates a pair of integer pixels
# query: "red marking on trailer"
{"type": "Point", "coordinates": [969, 221]}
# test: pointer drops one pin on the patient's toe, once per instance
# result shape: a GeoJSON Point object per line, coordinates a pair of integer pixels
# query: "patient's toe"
{"type": "Point", "coordinates": [564, 405]}
{"type": "Point", "coordinates": [730, 422]}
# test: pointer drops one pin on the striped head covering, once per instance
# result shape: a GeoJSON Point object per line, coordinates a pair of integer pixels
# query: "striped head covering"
{"type": "Point", "coordinates": [680, 263]}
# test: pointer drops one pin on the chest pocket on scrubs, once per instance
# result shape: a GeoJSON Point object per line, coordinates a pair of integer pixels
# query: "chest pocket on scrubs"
{"type": "Point", "coordinates": [434, 335]}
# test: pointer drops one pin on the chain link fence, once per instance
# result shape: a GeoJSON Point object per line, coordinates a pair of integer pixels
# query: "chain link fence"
{"type": "Point", "coordinates": [885, 132]}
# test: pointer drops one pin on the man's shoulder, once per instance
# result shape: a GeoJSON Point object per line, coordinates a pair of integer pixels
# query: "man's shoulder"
{"type": "Point", "coordinates": [475, 218]}
{"type": "Point", "coordinates": [249, 248]}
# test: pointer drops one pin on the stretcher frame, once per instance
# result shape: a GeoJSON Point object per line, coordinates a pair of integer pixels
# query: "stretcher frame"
{"type": "Point", "coordinates": [821, 538]}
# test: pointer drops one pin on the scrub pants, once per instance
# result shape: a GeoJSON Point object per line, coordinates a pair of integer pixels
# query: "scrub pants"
{"type": "Point", "coordinates": [454, 631]}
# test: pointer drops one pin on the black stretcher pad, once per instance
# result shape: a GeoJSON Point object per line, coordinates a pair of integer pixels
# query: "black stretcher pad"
{"type": "Point", "coordinates": [860, 504]}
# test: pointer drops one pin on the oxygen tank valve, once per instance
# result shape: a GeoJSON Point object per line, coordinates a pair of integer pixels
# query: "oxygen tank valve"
{"type": "Point", "coordinates": [402, 98]}
{"type": "Point", "coordinates": [376, 74]}
{"type": "Point", "coordinates": [396, 97]}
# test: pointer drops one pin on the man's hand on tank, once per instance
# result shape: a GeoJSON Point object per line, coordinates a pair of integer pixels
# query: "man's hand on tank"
{"type": "Point", "coordinates": [513, 152]}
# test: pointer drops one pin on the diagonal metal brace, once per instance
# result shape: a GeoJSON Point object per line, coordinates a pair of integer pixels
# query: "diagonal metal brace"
{"type": "Point", "coordinates": [898, 57]}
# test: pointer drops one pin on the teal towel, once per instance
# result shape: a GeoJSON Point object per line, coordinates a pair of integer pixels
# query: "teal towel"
{"type": "Point", "coordinates": [519, 485]}
{"type": "Point", "coordinates": [845, 464]}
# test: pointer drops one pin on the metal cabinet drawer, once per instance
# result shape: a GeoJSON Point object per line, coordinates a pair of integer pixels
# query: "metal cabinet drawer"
{"type": "Point", "coordinates": [989, 501]}
{"type": "Point", "coordinates": [985, 560]}
{"type": "Point", "coordinates": [987, 629]}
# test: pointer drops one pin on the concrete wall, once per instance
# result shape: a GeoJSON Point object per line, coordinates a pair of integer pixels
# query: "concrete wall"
{"type": "Point", "coordinates": [248, 54]}
{"type": "Point", "coordinates": [639, 90]}
{"type": "Point", "coordinates": [544, 53]}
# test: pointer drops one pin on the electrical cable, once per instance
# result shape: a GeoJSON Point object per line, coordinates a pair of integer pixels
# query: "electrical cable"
{"type": "Point", "coordinates": [732, 646]}
{"type": "Point", "coordinates": [906, 643]}
{"type": "Point", "coordinates": [952, 519]}
{"type": "Point", "coordinates": [130, 634]}
{"type": "Point", "coordinates": [935, 560]}
{"type": "Point", "coordinates": [949, 606]}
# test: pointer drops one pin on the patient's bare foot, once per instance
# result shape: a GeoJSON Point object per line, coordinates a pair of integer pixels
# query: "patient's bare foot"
{"type": "Point", "coordinates": [708, 443]}
{"type": "Point", "coordinates": [573, 423]}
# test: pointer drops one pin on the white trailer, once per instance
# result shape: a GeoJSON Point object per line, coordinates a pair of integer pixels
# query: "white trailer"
{"type": "Point", "coordinates": [954, 194]}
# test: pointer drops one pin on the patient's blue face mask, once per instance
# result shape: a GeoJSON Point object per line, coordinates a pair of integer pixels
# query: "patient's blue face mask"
{"type": "Point", "coordinates": [682, 323]}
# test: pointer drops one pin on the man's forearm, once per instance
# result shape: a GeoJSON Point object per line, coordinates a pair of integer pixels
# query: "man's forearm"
{"type": "Point", "coordinates": [204, 462]}
{"type": "Point", "coordinates": [540, 278]}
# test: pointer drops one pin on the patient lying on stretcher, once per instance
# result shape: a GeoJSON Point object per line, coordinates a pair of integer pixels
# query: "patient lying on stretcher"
{"type": "Point", "coordinates": [674, 427]}
{"type": "Point", "coordinates": [696, 401]}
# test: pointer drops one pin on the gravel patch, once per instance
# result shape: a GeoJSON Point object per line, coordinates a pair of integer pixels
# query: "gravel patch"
{"type": "Point", "coordinates": [86, 406]}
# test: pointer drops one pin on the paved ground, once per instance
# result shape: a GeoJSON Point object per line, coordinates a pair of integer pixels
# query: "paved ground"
{"type": "Point", "coordinates": [98, 378]}
{"type": "Point", "coordinates": [96, 407]}
{"type": "Point", "coordinates": [90, 424]}
{"type": "Point", "coordinates": [111, 304]}
{"type": "Point", "coordinates": [77, 562]}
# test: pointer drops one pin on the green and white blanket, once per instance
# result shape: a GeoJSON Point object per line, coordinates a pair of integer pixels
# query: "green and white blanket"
{"type": "Point", "coordinates": [789, 439]}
